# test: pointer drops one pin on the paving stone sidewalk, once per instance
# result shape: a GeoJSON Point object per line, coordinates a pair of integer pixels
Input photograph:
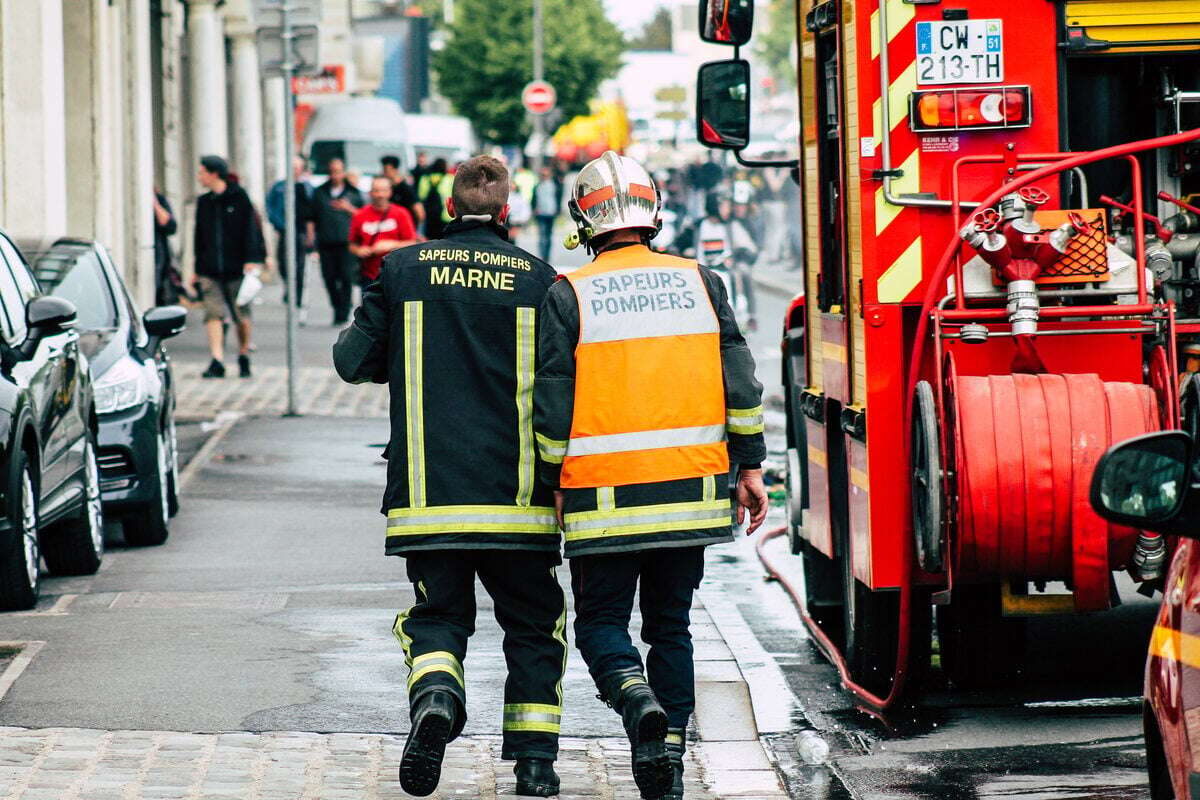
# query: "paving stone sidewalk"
{"type": "Point", "coordinates": [79, 764]}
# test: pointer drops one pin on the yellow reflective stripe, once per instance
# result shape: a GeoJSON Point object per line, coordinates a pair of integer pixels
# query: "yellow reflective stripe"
{"type": "Point", "coordinates": [710, 488]}
{"type": "Point", "coordinates": [414, 325]}
{"type": "Point", "coordinates": [471, 519]}
{"type": "Point", "coordinates": [535, 717]}
{"type": "Point", "coordinates": [552, 450]}
{"type": "Point", "coordinates": [648, 519]}
{"type": "Point", "coordinates": [525, 338]}
{"type": "Point", "coordinates": [662, 509]}
{"type": "Point", "coordinates": [560, 636]}
{"type": "Point", "coordinates": [404, 639]}
{"type": "Point", "coordinates": [532, 727]}
{"type": "Point", "coordinates": [632, 682]}
{"type": "Point", "coordinates": [1174, 645]}
{"type": "Point", "coordinates": [674, 738]}
{"type": "Point", "coordinates": [745, 421]}
{"type": "Point", "coordinates": [606, 498]}
{"type": "Point", "coordinates": [438, 661]}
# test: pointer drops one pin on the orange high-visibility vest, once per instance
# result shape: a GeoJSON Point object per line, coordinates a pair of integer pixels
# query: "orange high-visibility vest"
{"type": "Point", "coordinates": [649, 388]}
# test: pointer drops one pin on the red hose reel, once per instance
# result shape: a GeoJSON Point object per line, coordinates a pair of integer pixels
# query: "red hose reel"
{"type": "Point", "coordinates": [1022, 449]}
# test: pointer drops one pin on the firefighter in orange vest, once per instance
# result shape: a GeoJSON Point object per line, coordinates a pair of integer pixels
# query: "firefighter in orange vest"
{"type": "Point", "coordinates": [645, 394]}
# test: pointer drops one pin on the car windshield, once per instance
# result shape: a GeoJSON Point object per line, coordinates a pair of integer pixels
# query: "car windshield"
{"type": "Point", "coordinates": [360, 157]}
{"type": "Point", "coordinates": [75, 275]}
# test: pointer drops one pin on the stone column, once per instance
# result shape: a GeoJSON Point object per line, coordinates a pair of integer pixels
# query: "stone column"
{"type": "Point", "coordinates": [206, 65]}
{"type": "Point", "coordinates": [247, 122]}
{"type": "Point", "coordinates": [139, 155]}
{"type": "Point", "coordinates": [32, 118]}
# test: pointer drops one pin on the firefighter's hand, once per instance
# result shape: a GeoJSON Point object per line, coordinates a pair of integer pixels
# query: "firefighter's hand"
{"type": "Point", "coordinates": [558, 506]}
{"type": "Point", "coordinates": [752, 497]}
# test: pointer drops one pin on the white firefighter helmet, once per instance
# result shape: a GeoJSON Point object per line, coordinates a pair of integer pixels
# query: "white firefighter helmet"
{"type": "Point", "coordinates": [613, 193]}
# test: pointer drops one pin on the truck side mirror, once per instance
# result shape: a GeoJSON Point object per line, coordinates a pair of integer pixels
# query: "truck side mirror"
{"type": "Point", "coordinates": [726, 21]}
{"type": "Point", "coordinates": [1144, 481]}
{"type": "Point", "coordinates": [723, 104]}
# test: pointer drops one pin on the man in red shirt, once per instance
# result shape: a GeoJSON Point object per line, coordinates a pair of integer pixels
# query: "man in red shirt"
{"type": "Point", "coordinates": [378, 229]}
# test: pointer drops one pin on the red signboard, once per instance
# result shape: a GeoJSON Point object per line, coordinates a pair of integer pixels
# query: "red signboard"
{"type": "Point", "coordinates": [539, 97]}
{"type": "Point", "coordinates": [330, 80]}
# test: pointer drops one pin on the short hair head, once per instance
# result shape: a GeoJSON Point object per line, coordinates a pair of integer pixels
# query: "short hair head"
{"type": "Point", "coordinates": [390, 161]}
{"type": "Point", "coordinates": [216, 165]}
{"type": "Point", "coordinates": [481, 187]}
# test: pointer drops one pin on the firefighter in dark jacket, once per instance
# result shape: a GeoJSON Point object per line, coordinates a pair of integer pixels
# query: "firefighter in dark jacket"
{"type": "Point", "coordinates": [645, 394]}
{"type": "Point", "coordinates": [451, 325]}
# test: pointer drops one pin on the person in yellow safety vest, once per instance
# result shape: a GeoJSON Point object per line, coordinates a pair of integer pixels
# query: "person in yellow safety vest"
{"type": "Point", "coordinates": [433, 190]}
{"type": "Point", "coordinates": [450, 326]}
{"type": "Point", "coordinates": [645, 393]}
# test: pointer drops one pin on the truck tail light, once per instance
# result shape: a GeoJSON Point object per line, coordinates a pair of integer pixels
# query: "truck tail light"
{"type": "Point", "coordinates": [992, 108]}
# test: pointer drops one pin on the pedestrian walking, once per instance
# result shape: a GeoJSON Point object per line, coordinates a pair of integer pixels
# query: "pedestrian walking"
{"type": "Point", "coordinates": [645, 393]}
{"type": "Point", "coordinates": [334, 203]}
{"type": "Point", "coordinates": [378, 229]}
{"type": "Point", "coordinates": [305, 228]}
{"type": "Point", "coordinates": [547, 201]}
{"type": "Point", "coordinates": [433, 189]}
{"type": "Point", "coordinates": [228, 245]}
{"type": "Point", "coordinates": [403, 192]}
{"type": "Point", "coordinates": [166, 277]}
{"type": "Point", "coordinates": [520, 212]}
{"type": "Point", "coordinates": [450, 326]}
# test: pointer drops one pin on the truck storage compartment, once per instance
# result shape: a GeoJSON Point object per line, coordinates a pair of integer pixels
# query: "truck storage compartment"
{"type": "Point", "coordinates": [1123, 26]}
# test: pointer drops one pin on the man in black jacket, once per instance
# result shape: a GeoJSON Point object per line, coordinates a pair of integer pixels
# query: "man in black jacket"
{"type": "Point", "coordinates": [333, 205]}
{"type": "Point", "coordinates": [450, 325]}
{"type": "Point", "coordinates": [228, 245]}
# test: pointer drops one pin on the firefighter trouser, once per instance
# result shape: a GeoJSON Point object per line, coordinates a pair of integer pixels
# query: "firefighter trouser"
{"type": "Point", "coordinates": [604, 586]}
{"type": "Point", "coordinates": [531, 609]}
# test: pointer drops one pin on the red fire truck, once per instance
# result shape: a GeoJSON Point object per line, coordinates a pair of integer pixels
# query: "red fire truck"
{"type": "Point", "coordinates": [1000, 280]}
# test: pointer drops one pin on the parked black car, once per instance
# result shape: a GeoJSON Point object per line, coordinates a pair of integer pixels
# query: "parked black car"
{"type": "Point", "coordinates": [134, 388]}
{"type": "Point", "coordinates": [49, 477]}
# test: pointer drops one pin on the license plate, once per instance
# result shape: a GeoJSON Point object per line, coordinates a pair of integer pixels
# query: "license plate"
{"type": "Point", "coordinates": [966, 51]}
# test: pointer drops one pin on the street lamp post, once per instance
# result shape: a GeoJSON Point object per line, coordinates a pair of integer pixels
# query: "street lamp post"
{"type": "Point", "coordinates": [289, 201]}
{"type": "Point", "coordinates": [539, 69]}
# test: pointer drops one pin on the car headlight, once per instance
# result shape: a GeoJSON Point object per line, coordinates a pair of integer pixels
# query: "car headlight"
{"type": "Point", "coordinates": [120, 387]}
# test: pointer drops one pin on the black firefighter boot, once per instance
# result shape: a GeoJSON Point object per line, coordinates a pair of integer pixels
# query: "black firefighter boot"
{"type": "Point", "coordinates": [675, 746]}
{"type": "Point", "coordinates": [433, 716]}
{"type": "Point", "coordinates": [646, 725]}
{"type": "Point", "coordinates": [536, 777]}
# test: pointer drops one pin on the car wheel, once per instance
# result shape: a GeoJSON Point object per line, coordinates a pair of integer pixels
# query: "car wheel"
{"type": "Point", "coordinates": [148, 524]}
{"type": "Point", "coordinates": [20, 555]}
{"type": "Point", "coordinates": [76, 546]}
{"type": "Point", "coordinates": [172, 441]}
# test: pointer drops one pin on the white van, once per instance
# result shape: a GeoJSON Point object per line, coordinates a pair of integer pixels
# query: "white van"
{"type": "Point", "coordinates": [442, 136]}
{"type": "Point", "coordinates": [359, 131]}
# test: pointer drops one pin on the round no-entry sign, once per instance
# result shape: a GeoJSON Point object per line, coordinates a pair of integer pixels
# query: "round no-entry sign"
{"type": "Point", "coordinates": [539, 97]}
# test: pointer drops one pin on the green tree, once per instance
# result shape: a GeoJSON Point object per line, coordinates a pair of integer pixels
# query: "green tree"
{"type": "Point", "coordinates": [656, 35]}
{"type": "Point", "coordinates": [488, 59]}
{"type": "Point", "coordinates": [773, 40]}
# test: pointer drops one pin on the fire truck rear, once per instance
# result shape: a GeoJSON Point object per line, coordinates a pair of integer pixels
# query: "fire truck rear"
{"type": "Point", "coordinates": [1001, 212]}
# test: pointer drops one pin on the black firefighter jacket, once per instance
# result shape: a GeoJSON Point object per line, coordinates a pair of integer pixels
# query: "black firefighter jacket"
{"type": "Point", "coordinates": [641, 504]}
{"type": "Point", "coordinates": [451, 327]}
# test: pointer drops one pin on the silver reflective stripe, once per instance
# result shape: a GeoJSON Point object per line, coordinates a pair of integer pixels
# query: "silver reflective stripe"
{"type": "Point", "coordinates": [744, 420]}
{"type": "Point", "coordinates": [643, 303]}
{"type": "Point", "coordinates": [606, 498]}
{"type": "Point", "coordinates": [414, 399]}
{"type": "Point", "coordinates": [525, 339]}
{"type": "Point", "coordinates": [645, 440]}
{"type": "Point", "coordinates": [710, 488]}
{"type": "Point", "coordinates": [552, 450]}
{"type": "Point", "coordinates": [635, 517]}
